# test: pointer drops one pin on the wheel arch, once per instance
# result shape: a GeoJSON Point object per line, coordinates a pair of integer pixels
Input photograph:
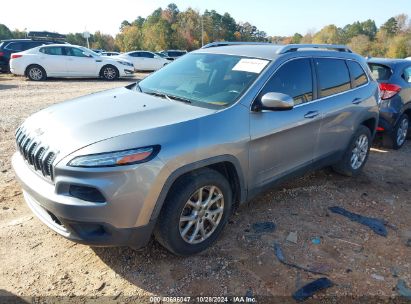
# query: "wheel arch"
{"type": "Point", "coordinates": [110, 65]}
{"type": "Point", "coordinates": [33, 64]}
{"type": "Point", "coordinates": [227, 165]}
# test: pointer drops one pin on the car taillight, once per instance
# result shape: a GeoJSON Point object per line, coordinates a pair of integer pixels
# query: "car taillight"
{"type": "Point", "coordinates": [389, 90]}
{"type": "Point", "coordinates": [15, 56]}
{"type": "Point", "coordinates": [1, 54]}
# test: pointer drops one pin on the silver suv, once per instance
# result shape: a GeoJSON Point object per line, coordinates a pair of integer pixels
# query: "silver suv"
{"type": "Point", "coordinates": [174, 154]}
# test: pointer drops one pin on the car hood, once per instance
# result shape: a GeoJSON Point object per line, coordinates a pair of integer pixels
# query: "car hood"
{"type": "Point", "coordinates": [77, 123]}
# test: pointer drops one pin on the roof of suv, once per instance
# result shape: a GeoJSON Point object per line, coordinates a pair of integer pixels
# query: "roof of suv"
{"type": "Point", "coordinates": [271, 51]}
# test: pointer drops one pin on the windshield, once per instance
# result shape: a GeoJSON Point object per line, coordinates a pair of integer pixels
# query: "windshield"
{"type": "Point", "coordinates": [90, 51]}
{"type": "Point", "coordinates": [205, 79]}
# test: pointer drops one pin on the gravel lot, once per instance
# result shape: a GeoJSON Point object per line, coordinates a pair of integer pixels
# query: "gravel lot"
{"type": "Point", "coordinates": [37, 262]}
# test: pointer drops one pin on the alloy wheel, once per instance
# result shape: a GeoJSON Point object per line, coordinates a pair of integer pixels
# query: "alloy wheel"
{"type": "Point", "coordinates": [109, 73]}
{"type": "Point", "coordinates": [35, 73]}
{"type": "Point", "coordinates": [402, 131]}
{"type": "Point", "coordinates": [201, 214]}
{"type": "Point", "coordinates": [359, 153]}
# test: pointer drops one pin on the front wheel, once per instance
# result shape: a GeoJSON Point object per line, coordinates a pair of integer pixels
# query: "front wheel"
{"type": "Point", "coordinates": [194, 213]}
{"type": "Point", "coordinates": [357, 153]}
{"type": "Point", "coordinates": [109, 72]}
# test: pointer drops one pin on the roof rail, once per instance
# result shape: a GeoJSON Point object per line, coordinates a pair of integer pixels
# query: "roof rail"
{"type": "Point", "coordinates": [295, 47]}
{"type": "Point", "coordinates": [225, 43]}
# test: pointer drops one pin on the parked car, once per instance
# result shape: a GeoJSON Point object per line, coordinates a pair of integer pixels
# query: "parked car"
{"type": "Point", "coordinates": [394, 77]}
{"type": "Point", "coordinates": [174, 54]}
{"type": "Point", "coordinates": [109, 53]}
{"type": "Point", "coordinates": [145, 60]}
{"type": "Point", "coordinates": [60, 60]}
{"type": "Point", "coordinates": [175, 153]}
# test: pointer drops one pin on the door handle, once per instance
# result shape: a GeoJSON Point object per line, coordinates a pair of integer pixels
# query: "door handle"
{"type": "Point", "coordinates": [311, 114]}
{"type": "Point", "coordinates": [357, 101]}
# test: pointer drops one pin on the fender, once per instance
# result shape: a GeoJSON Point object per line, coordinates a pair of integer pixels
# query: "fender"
{"type": "Point", "coordinates": [198, 165]}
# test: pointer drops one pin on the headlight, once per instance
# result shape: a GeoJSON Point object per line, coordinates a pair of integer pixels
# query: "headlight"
{"type": "Point", "coordinates": [125, 63]}
{"type": "Point", "coordinates": [117, 158]}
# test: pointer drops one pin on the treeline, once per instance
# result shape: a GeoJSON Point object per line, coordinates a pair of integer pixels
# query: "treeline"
{"type": "Point", "coordinates": [392, 39]}
{"type": "Point", "coordinates": [171, 28]}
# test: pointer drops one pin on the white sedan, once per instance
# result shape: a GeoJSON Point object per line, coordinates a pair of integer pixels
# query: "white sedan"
{"type": "Point", "coordinates": [64, 60]}
{"type": "Point", "coordinates": [144, 60]}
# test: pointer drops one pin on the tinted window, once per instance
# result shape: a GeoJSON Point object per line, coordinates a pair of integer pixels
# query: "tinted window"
{"type": "Point", "coordinates": [135, 54]}
{"type": "Point", "coordinates": [146, 55]}
{"type": "Point", "coordinates": [357, 73]}
{"type": "Point", "coordinates": [294, 79]}
{"type": "Point", "coordinates": [380, 72]}
{"type": "Point", "coordinates": [333, 76]}
{"type": "Point", "coordinates": [75, 52]}
{"type": "Point", "coordinates": [52, 50]}
{"type": "Point", "coordinates": [15, 46]}
{"type": "Point", "coordinates": [407, 74]}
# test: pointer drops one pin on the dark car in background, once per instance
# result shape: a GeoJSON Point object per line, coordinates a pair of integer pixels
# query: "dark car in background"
{"type": "Point", "coordinates": [394, 78]}
{"type": "Point", "coordinates": [173, 54]}
{"type": "Point", "coordinates": [10, 46]}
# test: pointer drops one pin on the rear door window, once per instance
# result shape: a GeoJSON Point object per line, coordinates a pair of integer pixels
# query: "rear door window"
{"type": "Point", "coordinates": [380, 72]}
{"type": "Point", "coordinates": [54, 50]}
{"type": "Point", "coordinates": [333, 76]}
{"type": "Point", "coordinates": [357, 73]}
{"type": "Point", "coordinates": [294, 78]}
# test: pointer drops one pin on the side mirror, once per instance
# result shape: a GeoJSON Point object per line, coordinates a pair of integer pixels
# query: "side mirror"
{"type": "Point", "coordinates": [276, 102]}
{"type": "Point", "coordinates": [87, 55]}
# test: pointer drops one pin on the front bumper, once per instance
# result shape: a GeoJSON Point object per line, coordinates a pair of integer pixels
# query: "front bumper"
{"type": "Point", "coordinates": [128, 72]}
{"type": "Point", "coordinates": [112, 223]}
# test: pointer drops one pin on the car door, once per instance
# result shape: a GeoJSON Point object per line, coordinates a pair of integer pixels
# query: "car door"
{"type": "Point", "coordinates": [53, 60]}
{"type": "Point", "coordinates": [284, 141]}
{"type": "Point", "coordinates": [80, 63]}
{"type": "Point", "coordinates": [137, 61]}
{"type": "Point", "coordinates": [340, 101]}
{"type": "Point", "coordinates": [149, 63]}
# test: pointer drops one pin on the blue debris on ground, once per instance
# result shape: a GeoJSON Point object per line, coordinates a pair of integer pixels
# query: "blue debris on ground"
{"type": "Point", "coordinates": [311, 288]}
{"type": "Point", "coordinates": [403, 290]}
{"type": "Point", "coordinates": [376, 225]}
{"type": "Point", "coordinates": [263, 227]}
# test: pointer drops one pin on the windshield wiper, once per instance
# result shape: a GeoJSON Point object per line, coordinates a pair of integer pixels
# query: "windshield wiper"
{"type": "Point", "coordinates": [169, 97]}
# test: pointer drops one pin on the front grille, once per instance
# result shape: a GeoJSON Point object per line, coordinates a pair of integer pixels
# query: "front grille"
{"type": "Point", "coordinates": [37, 154]}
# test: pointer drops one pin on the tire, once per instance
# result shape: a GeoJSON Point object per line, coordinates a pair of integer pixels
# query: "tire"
{"type": "Point", "coordinates": [36, 73]}
{"type": "Point", "coordinates": [175, 231]}
{"type": "Point", "coordinates": [109, 72]}
{"type": "Point", "coordinates": [360, 145]}
{"type": "Point", "coordinates": [396, 139]}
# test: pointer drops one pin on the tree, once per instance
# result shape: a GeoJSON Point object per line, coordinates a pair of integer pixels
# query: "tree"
{"type": "Point", "coordinates": [391, 26]}
{"type": "Point", "coordinates": [296, 38]}
{"type": "Point", "coordinates": [403, 23]}
{"type": "Point", "coordinates": [129, 39]}
{"type": "Point", "coordinates": [361, 44]}
{"type": "Point", "coordinates": [399, 47]}
{"type": "Point", "coordinates": [329, 34]}
{"type": "Point", "coordinates": [5, 32]}
{"type": "Point", "coordinates": [369, 28]}
{"type": "Point", "coordinates": [103, 42]}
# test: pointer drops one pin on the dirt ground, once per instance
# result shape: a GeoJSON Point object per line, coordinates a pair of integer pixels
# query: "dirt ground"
{"type": "Point", "coordinates": [36, 262]}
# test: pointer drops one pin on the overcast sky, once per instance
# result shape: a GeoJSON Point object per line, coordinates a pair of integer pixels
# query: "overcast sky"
{"type": "Point", "coordinates": [282, 18]}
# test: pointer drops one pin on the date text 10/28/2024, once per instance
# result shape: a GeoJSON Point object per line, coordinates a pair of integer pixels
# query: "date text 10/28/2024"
{"type": "Point", "coordinates": [203, 299]}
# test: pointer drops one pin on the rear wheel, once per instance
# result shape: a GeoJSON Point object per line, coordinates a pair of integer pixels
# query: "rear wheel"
{"type": "Point", "coordinates": [109, 72]}
{"type": "Point", "coordinates": [397, 138]}
{"type": "Point", "coordinates": [195, 212]}
{"type": "Point", "coordinates": [357, 153]}
{"type": "Point", "coordinates": [36, 73]}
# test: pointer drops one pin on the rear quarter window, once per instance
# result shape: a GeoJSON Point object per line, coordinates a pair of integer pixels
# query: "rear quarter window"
{"type": "Point", "coordinates": [357, 73]}
{"type": "Point", "coordinates": [333, 76]}
{"type": "Point", "coordinates": [380, 72]}
{"type": "Point", "coordinates": [407, 74]}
